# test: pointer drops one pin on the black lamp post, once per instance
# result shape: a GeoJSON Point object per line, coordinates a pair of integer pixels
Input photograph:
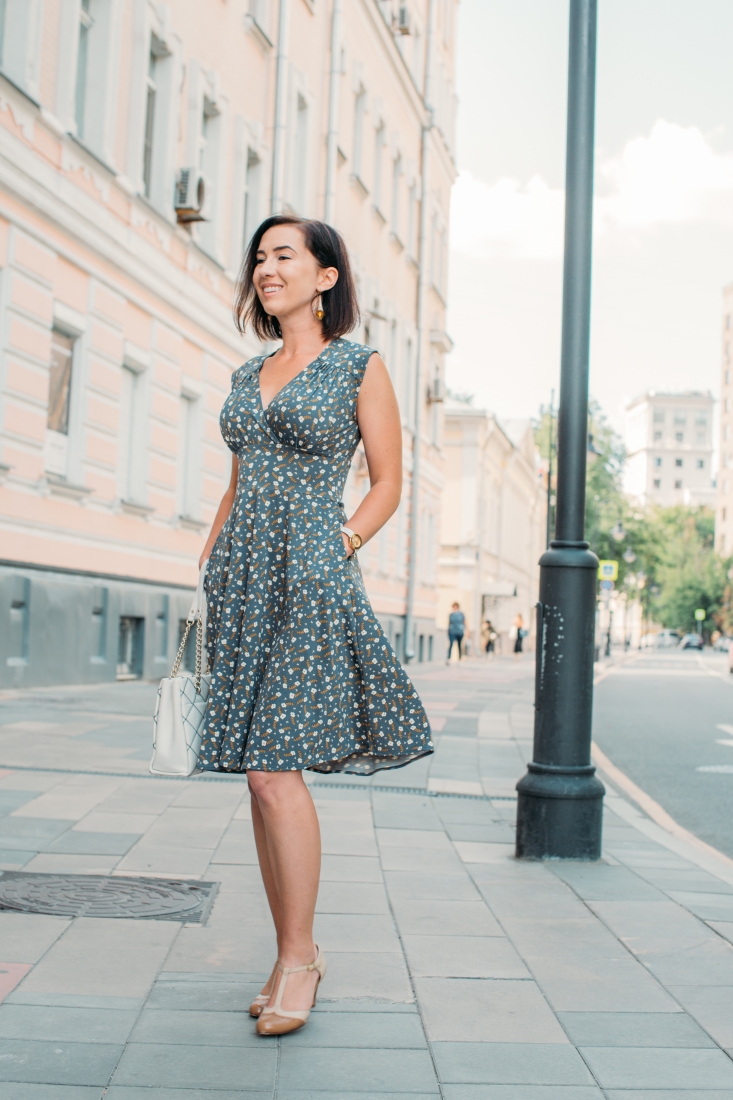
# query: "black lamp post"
{"type": "Point", "coordinates": [559, 810]}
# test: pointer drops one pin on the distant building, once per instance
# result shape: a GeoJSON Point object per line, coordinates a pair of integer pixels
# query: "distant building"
{"type": "Point", "coordinates": [669, 449]}
{"type": "Point", "coordinates": [492, 520]}
{"type": "Point", "coordinates": [724, 503]}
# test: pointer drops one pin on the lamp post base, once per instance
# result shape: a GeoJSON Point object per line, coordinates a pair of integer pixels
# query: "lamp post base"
{"type": "Point", "coordinates": [559, 813]}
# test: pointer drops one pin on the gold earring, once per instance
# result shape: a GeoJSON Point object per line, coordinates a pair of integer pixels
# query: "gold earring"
{"type": "Point", "coordinates": [319, 311]}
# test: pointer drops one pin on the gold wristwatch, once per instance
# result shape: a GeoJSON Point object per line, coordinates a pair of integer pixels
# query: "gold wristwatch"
{"type": "Point", "coordinates": [355, 541]}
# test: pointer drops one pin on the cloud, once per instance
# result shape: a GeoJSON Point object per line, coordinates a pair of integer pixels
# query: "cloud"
{"type": "Point", "coordinates": [670, 177]}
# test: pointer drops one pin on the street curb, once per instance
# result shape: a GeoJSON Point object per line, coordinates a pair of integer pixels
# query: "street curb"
{"type": "Point", "coordinates": [657, 824]}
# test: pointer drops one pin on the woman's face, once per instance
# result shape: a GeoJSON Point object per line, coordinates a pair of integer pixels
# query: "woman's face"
{"type": "Point", "coordinates": [287, 277]}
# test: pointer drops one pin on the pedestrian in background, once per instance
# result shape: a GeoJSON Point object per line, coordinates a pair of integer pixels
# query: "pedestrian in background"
{"type": "Point", "coordinates": [456, 629]}
{"type": "Point", "coordinates": [491, 636]}
{"type": "Point", "coordinates": [288, 615]}
{"type": "Point", "coordinates": [519, 634]}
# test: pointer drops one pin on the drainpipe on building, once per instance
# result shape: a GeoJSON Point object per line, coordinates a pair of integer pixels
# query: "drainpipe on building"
{"type": "Point", "coordinates": [422, 287]}
{"type": "Point", "coordinates": [333, 113]}
{"type": "Point", "coordinates": [281, 80]}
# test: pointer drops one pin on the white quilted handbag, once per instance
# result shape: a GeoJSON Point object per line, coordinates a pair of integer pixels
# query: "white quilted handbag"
{"type": "Point", "coordinates": [181, 703]}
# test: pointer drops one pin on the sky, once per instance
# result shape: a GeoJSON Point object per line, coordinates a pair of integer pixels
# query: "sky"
{"type": "Point", "coordinates": [663, 226]}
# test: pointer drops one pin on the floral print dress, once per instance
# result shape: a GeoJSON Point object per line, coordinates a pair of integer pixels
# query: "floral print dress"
{"type": "Point", "coordinates": [303, 676]}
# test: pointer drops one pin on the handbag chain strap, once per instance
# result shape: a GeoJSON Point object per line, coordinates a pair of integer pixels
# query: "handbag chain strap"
{"type": "Point", "coordinates": [199, 652]}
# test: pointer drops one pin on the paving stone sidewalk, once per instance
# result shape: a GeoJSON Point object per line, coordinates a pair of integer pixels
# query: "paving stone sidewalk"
{"type": "Point", "coordinates": [454, 970]}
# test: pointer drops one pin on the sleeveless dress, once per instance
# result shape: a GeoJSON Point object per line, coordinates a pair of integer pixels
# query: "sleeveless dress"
{"type": "Point", "coordinates": [303, 676]}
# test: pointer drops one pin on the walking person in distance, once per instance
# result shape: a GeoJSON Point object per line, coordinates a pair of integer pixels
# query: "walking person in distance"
{"type": "Point", "coordinates": [456, 628]}
{"type": "Point", "coordinates": [519, 635]}
{"type": "Point", "coordinates": [302, 675]}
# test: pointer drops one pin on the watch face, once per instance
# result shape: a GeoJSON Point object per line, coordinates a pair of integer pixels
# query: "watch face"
{"type": "Point", "coordinates": [355, 541]}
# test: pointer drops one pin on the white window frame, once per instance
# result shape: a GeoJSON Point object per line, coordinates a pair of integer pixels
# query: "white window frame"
{"type": "Point", "coordinates": [132, 443]}
{"type": "Point", "coordinates": [21, 47]}
{"type": "Point", "coordinates": [190, 448]}
{"type": "Point", "coordinates": [209, 152]}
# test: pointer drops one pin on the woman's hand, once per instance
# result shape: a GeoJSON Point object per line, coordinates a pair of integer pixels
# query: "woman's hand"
{"type": "Point", "coordinates": [347, 545]}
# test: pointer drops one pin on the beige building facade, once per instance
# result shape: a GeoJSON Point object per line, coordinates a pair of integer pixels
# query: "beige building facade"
{"type": "Point", "coordinates": [669, 449]}
{"type": "Point", "coordinates": [493, 527]}
{"type": "Point", "coordinates": [141, 142]}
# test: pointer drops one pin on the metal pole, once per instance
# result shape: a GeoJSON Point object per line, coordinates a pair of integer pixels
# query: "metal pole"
{"type": "Point", "coordinates": [419, 396]}
{"type": "Point", "coordinates": [278, 137]}
{"type": "Point", "coordinates": [549, 473]}
{"type": "Point", "coordinates": [560, 802]}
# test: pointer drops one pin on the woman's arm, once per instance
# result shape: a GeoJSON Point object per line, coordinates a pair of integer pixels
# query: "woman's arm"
{"type": "Point", "coordinates": [222, 512]}
{"type": "Point", "coordinates": [381, 431]}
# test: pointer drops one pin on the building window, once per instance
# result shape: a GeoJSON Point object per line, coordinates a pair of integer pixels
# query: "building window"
{"type": "Point", "coordinates": [59, 399]}
{"type": "Point", "coordinates": [657, 462]}
{"type": "Point", "coordinates": [380, 137]}
{"type": "Point", "coordinates": [359, 112]}
{"type": "Point", "coordinates": [412, 204]}
{"type": "Point", "coordinates": [722, 514]}
{"type": "Point", "coordinates": [188, 458]}
{"type": "Point", "coordinates": [678, 462]}
{"type": "Point", "coordinates": [130, 648]}
{"type": "Point", "coordinates": [680, 437]}
{"type": "Point", "coordinates": [657, 437]}
{"type": "Point", "coordinates": [680, 418]}
{"type": "Point", "coordinates": [396, 173]}
{"type": "Point", "coordinates": [701, 463]}
{"type": "Point", "coordinates": [727, 320]}
{"type": "Point", "coordinates": [657, 483]}
{"type": "Point", "coordinates": [726, 405]}
{"type": "Point", "coordinates": [3, 5]}
{"type": "Point", "coordinates": [659, 416]}
{"type": "Point", "coordinates": [727, 378]}
{"type": "Point", "coordinates": [726, 432]}
{"type": "Point", "coordinates": [152, 92]}
{"type": "Point", "coordinates": [131, 448]}
{"type": "Point", "coordinates": [678, 484]}
{"type": "Point", "coordinates": [727, 353]}
{"type": "Point", "coordinates": [82, 65]}
{"type": "Point", "coordinates": [252, 196]}
{"type": "Point", "coordinates": [725, 486]}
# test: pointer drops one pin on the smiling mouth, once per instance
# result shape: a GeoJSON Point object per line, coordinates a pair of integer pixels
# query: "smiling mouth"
{"type": "Point", "coordinates": [271, 289]}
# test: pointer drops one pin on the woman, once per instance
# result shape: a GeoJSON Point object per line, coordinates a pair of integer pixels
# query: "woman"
{"type": "Point", "coordinates": [491, 636]}
{"type": "Point", "coordinates": [302, 674]}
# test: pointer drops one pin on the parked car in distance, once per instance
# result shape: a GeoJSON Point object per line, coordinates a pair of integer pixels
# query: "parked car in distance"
{"type": "Point", "coordinates": [692, 641]}
{"type": "Point", "coordinates": [722, 645]}
{"type": "Point", "coordinates": [667, 639]}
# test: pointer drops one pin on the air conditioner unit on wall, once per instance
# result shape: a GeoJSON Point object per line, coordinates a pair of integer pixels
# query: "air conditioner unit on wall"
{"type": "Point", "coordinates": [436, 390]}
{"type": "Point", "coordinates": [402, 22]}
{"type": "Point", "coordinates": [190, 198]}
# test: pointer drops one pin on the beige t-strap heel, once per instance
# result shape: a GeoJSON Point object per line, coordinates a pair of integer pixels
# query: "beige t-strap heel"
{"type": "Point", "coordinates": [278, 1020]}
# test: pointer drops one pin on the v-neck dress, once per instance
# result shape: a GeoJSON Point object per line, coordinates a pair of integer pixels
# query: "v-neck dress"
{"type": "Point", "coordinates": [303, 676]}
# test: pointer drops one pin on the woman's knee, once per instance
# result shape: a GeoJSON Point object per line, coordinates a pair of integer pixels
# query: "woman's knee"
{"type": "Point", "coordinates": [269, 787]}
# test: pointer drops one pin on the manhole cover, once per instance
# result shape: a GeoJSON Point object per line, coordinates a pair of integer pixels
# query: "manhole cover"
{"type": "Point", "coordinates": [106, 896]}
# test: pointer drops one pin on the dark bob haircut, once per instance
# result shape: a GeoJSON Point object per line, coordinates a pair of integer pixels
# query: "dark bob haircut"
{"type": "Point", "coordinates": [340, 304]}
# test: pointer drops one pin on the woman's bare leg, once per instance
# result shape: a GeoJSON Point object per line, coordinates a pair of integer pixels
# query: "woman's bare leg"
{"type": "Point", "coordinates": [293, 850]}
{"type": "Point", "coordinates": [268, 878]}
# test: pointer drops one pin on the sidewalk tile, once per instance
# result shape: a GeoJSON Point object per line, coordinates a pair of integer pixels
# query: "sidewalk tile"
{"type": "Point", "coordinates": [601, 882]}
{"type": "Point", "coordinates": [476, 852]}
{"type": "Point", "coordinates": [335, 868]}
{"type": "Point", "coordinates": [57, 1063]}
{"type": "Point", "coordinates": [198, 1067]}
{"type": "Point", "coordinates": [393, 811]}
{"type": "Point", "coordinates": [11, 975]}
{"type": "Point", "coordinates": [375, 1030]}
{"type": "Point", "coordinates": [15, 860]}
{"type": "Point", "coordinates": [152, 858]}
{"type": "Point", "coordinates": [655, 1068]}
{"type": "Point", "coordinates": [25, 938]}
{"type": "Point", "coordinates": [711, 1006]}
{"type": "Point", "coordinates": [633, 1029]}
{"type": "Point", "coordinates": [668, 1094]}
{"type": "Point", "coordinates": [713, 906]}
{"type": "Point", "coordinates": [445, 918]}
{"type": "Point", "coordinates": [47, 863]}
{"type": "Point", "coordinates": [133, 1092]}
{"type": "Point", "coordinates": [393, 1072]}
{"type": "Point", "coordinates": [96, 957]}
{"type": "Point", "coordinates": [215, 997]}
{"type": "Point", "coordinates": [498, 832]}
{"type": "Point", "coordinates": [315, 1094]}
{"type": "Point", "coordinates": [168, 1026]}
{"type": "Point", "coordinates": [74, 1000]}
{"type": "Point", "coordinates": [463, 957]}
{"type": "Point", "coordinates": [367, 974]}
{"type": "Point", "coordinates": [224, 943]}
{"type": "Point", "coordinates": [413, 838]}
{"type": "Point", "coordinates": [420, 859]}
{"type": "Point", "coordinates": [723, 928]}
{"type": "Point", "coordinates": [522, 1092]}
{"type": "Point", "coordinates": [457, 1010]}
{"type": "Point", "coordinates": [352, 897]}
{"type": "Point", "coordinates": [78, 843]}
{"type": "Point", "coordinates": [26, 1091]}
{"type": "Point", "coordinates": [431, 886]}
{"type": "Point", "coordinates": [19, 832]}
{"type": "Point", "coordinates": [337, 843]}
{"type": "Point", "coordinates": [510, 1064]}
{"type": "Point", "coordinates": [460, 811]}
{"type": "Point", "coordinates": [107, 822]}
{"type": "Point", "coordinates": [65, 1025]}
{"type": "Point", "coordinates": [355, 932]}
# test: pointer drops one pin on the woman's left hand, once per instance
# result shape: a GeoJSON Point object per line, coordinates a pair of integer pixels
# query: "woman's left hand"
{"type": "Point", "coordinates": [347, 545]}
